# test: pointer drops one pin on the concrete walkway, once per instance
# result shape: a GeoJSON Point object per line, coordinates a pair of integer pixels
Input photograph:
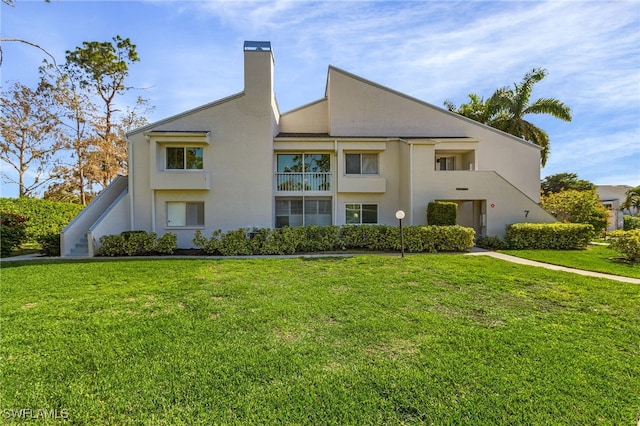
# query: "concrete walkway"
{"type": "Point", "coordinates": [474, 252]}
{"type": "Point", "coordinates": [514, 259]}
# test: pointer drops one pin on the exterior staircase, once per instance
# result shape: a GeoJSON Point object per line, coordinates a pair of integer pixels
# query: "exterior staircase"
{"type": "Point", "coordinates": [81, 248]}
{"type": "Point", "coordinates": [74, 238]}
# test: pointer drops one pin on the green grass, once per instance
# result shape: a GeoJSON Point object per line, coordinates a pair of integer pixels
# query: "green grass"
{"type": "Point", "coordinates": [431, 339]}
{"type": "Point", "coordinates": [594, 258]}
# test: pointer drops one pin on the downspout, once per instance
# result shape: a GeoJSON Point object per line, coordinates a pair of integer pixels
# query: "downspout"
{"type": "Point", "coordinates": [132, 224]}
{"type": "Point", "coordinates": [335, 186]}
{"type": "Point", "coordinates": [153, 210]}
{"type": "Point", "coordinates": [410, 184]}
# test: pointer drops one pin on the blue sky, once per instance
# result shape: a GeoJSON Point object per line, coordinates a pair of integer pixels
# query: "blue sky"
{"type": "Point", "coordinates": [191, 54]}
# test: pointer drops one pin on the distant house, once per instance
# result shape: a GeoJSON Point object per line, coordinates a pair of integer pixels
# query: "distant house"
{"type": "Point", "coordinates": [613, 196]}
{"type": "Point", "coordinates": [354, 156]}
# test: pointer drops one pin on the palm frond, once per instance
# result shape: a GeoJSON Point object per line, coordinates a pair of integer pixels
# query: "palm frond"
{"type": "Point", "coordinates": [551, 107]}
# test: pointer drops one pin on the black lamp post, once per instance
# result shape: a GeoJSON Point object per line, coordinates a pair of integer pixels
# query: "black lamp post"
{"type": "Point", "coordinates": [400, 216]}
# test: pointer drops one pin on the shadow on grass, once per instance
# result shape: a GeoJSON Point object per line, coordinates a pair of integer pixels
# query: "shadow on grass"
{"type": "Point", "coordinates": [6, 263]}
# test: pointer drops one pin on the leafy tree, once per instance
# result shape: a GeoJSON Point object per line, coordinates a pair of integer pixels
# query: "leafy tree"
{"type": "Point", "coordinates": [93, 127]}
{"type": "Point", "coordinates": [101, 68]}
{"type": "Point", "coordinates": [563, 181]}
{"type": "Point", "coordinates": [507, 108]}
{"type": "Point", "coordinates": [571, 206]}
{"type": "Point", "coordinates": [28, 127]}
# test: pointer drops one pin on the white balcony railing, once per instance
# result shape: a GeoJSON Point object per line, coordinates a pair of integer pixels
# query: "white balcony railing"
{"type": "Point", "coordinates": [303, 181]}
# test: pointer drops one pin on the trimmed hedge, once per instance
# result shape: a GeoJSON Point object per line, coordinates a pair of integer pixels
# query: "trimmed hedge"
{"type": "Point", "coordinates": [309, 239]}
{"type": "Point", "coordinates": [44, 217]}
{"type": "Point", "coordinates": [442, 213]}
{"type": "Point", "coordinates": [137, 243]}
{"type": "Point", "coordinates": [560, 236]}
{"type": "Point", "coordinates": [627, 243]}
{"type": "Point", "coordinates": [12, 232]}
{"type": "Point", "coordinates": [50, 245]}
{"type": "Point", "coordinates": [630, 222]}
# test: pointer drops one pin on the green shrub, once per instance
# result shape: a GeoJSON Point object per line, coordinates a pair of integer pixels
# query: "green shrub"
{"type": "Point", "coordinates": [630, 222]}
{"type": "Point", "coordinates": [111, 245]}
{"type": "Point", "coordinates": [12, 231]}
{"type": "Point", "coordinates": [448, 238]}
{"type": "Point", "coordinates": [44, 216]}
{"type": "Point", "coordinates": [627, 243]}
{"type": "Point", "coordinates": [491, 243]}
{"type": "Point", "coordinates": [442, 213]}
{"type": "Point", "coordinates": [358, 236]}
{"type": "Point", "coordinates": [210, 246]}
{"type": "Point", "coordinates": [312, 238]}
{"type": "Point", "coordinates": [571, 206]}
{"type": "Point", "coordinates": [137, 243]}
{"type": "Point", "coordinates": [560, 236]}
{"type": "Point", "coordinates": [166, 244]}
{"type": "Point", "coordinates": [280, 241]}
{"type": "Point", "coordinates": [50, 245]}
{"type": "Point", "coordinates": [235, 243]}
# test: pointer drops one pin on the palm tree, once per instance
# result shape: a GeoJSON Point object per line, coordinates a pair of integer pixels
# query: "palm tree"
{"type": "Point", "coordinates": [514, 104]}
{"type": "Point", "coordinates": [632, 200]}
{"type": "Point", "coordinates": [506, 110]}
{"type": "Point", "coordinates": [476, 109]}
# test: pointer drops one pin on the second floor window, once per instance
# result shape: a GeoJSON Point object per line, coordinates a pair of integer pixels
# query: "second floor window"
{"type": "Point", "coordinates": [303, 172]}
{"type": "Point", "coordinates": [184, 158]}
{"type": "Point", "coordinates": [361, 164]}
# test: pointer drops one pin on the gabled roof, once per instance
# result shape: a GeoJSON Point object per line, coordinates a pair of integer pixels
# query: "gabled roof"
{"type": "Point", "coordinates": [183, 114]}
{"type": "Point", "coordinates": [427, 104]}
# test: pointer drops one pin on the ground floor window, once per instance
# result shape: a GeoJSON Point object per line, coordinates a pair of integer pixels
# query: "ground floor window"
{"type": "Point", "coordinates": [300, 211]}
{"type": "Point", "coordinates": [356, 213]}
{"type": "Point", "coordinates": [185, 214]}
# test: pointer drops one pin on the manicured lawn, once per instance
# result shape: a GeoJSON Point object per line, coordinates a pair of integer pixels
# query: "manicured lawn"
{"type": "Point", "coordinates": [433, 339]}
{"type": "Point", "coordinates": [595, 258]}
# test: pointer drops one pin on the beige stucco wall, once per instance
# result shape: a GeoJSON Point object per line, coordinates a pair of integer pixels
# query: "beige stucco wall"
{"type": "Point", "coordinates": [237, 184]}
{"type": "Point", "coordinates": [361, 108]}
{"type": "Point", "coordinates": [311, 118]}
{"type": "Point", "coordinates": [237, 170]}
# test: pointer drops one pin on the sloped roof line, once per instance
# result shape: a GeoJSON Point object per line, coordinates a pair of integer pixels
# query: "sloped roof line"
{"type": "Point", "coordinates": [317, 101]}
{"type": "Point", "coordinates": [184, 114]}
{"type": "Point", "coordinates": [427, 104]}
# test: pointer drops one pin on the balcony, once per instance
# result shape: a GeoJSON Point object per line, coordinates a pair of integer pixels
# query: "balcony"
{"type": "Point", "coordinates": [301, 182]}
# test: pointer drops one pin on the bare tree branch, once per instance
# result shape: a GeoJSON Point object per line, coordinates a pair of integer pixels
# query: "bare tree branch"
{"type": "Point", "coordinates": [30, 44]}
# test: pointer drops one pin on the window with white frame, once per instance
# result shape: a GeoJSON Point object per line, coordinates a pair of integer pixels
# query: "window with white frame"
{"type": "Point", "coordinates": [356, 213]}
{"type": "Point", "coordinates": [184, 158]}
{"type": "Point", "coordinates": [303, 172]}
{"type": "Point", "coordinates": [300, 211]}
{"type": "Point", "coordinates": [361, 164]}
{"type": "Point", "coordinates": [185, 214]}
